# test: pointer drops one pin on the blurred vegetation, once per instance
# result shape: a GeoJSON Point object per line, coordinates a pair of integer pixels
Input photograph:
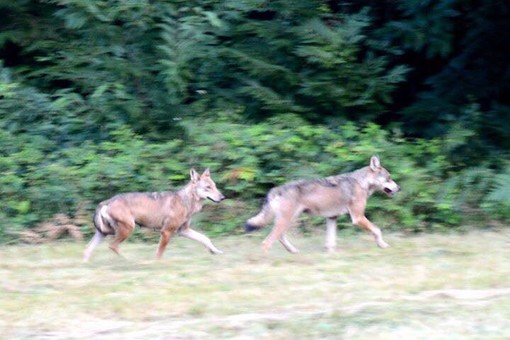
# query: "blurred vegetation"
{"type": "Point", "coordinates": [100, 97]}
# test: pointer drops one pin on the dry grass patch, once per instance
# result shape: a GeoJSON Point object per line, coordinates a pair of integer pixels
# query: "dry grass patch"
{"type": "Point", "coordinates": [430, 286]}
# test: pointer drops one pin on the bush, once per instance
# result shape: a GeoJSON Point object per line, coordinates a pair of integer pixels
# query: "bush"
{"type": "Point", "coordinates": [246, 160]}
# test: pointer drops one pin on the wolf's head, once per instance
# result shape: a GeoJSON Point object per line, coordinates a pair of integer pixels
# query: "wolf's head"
{"type": "Point", "coordinates": [382, 178]}
{"type": "Point", "coordinates": [205, 186]}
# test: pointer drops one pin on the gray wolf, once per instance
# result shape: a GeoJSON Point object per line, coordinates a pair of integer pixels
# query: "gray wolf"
{"type": "Point", "coordinates": [329, 197]}
{"type": "Point", "coordinates": [168, 212]}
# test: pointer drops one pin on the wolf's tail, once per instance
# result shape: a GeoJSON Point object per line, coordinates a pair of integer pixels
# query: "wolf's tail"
{"type": "Point", "coordinates": [104, 226]}
{"type": "Point", "coordinates": [102, 220]}
{"type": "Point", "coordinates": [265, 216]}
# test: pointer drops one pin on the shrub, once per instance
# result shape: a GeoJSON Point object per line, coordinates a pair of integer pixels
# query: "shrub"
{"type": "Point", "coordinates": [246, 161]}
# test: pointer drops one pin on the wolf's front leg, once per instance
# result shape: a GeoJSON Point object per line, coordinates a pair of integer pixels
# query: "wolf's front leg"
{"type": "Point", "coordinates": [166, 235]}
{"type": "Point", "coordinates": [364, 223]}
{"type": "Point", "coordinates": [330, 244]}
{"type": "Point", "coordinates": [195, 235]}
{"type": "Point", "coordinates": [289, 246]}
{"type": "Point", "coordinates": [378, 237]}
{"type": "Point", "coordinates": [97, 239]}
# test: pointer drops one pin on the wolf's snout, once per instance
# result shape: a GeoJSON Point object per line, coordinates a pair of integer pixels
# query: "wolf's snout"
{"type": "Point", "coordinates": [391, 191]}
{"type": "Point", "coordinates": [217, 200]}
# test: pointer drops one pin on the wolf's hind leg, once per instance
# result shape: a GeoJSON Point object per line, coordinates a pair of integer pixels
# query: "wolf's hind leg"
{"type": "Point", "coordinates": [121, 234]}
{"type": "Point", "coordinates": [94, 242]}
{"type": "Point", "coordinates": [281, 225]}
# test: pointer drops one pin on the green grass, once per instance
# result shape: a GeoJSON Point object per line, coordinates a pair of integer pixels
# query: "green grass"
{"type": "Point", "coordinates": [423, 287]}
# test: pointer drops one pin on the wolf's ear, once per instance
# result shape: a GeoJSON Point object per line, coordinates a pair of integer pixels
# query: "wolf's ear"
{"type": "Point", "coordinates": [206, 173]}
{"type": "Point", "coordinates": [195, 177]}
{"type": "Point", "coordinates": [375, 164]}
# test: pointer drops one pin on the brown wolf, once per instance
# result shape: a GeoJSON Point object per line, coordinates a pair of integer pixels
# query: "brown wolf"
{"type": "Point", "coordinates": [329, 197]}
{"type": "Point", "coordinates": [169, 212]}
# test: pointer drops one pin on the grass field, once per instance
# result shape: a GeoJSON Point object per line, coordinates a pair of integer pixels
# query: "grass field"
{"type": "Point", "coordinates": [423, 287]}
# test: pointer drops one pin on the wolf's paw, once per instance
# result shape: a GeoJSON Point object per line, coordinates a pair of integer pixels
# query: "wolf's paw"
{"type": "Point", "coordinates": [330, 249]}
{"type": "Point", "coordinates": [215, 251]}
{"type": "Point", "coordinates": [382, 244]}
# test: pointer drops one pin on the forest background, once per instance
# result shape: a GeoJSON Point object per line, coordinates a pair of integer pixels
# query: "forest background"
{"type": "Point", "coordinates": [108, 96]}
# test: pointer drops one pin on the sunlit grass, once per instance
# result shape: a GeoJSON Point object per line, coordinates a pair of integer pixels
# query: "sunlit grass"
{"type": "Point", "coordinates": [360, 292]}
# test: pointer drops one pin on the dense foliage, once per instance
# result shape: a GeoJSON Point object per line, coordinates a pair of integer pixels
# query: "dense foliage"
{"type": "Point", "coordinates": [106, 96]}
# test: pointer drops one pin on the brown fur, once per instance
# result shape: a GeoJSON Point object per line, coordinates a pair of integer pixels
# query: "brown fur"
{"type": "Point", "coordinates": [328, 197]}
{"type": "Point", "coordinates": [168, 212]}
